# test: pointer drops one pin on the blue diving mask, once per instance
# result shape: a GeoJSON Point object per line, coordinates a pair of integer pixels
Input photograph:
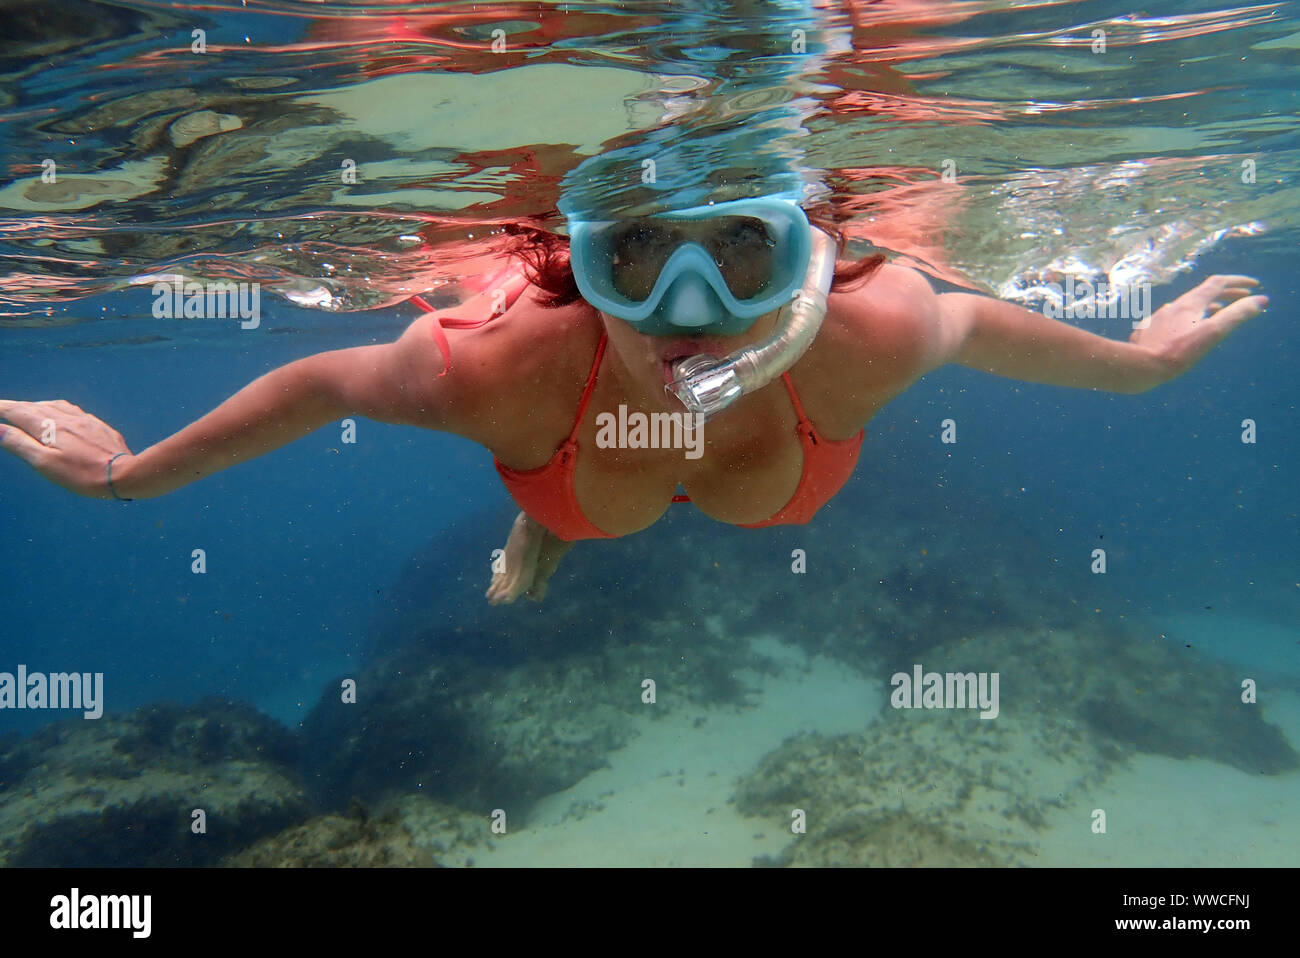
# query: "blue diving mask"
{"type": "Point", "coordinates": [711, 269]}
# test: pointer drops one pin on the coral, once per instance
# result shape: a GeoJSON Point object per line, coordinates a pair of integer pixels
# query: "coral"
{"type": "Point", "coordinates": [120, 790]}
{"type": "Point", "coordinates": [1131, 689]}
{"type": "Point", "coordinates": [333, 841]}
{"type": "Point", "coordinates": [411, 832]}
{"type": "Point", "coordinates": [890, 839]}
{"type": "Point", "coordinates": [944, 787]}
{"type": "Point", "coordinates": [970, 791]}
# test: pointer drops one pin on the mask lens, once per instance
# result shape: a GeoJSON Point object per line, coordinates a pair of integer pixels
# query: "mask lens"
{"type": "Point", "coordinates": [742, 247]}
{"type": "Point", "coordinates": [639, 251]}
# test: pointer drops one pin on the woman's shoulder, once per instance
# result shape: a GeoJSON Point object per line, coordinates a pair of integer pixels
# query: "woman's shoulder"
{"type": "Point", "coordinates": [485, 365]}
{"type": "Point", "coordinates": [886, 322]}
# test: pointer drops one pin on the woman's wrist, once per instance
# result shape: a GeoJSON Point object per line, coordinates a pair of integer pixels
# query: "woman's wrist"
{"type": "Point", "coordinates": [1149, 368]}
{"type": "Point", "coordinates": [116, 476]}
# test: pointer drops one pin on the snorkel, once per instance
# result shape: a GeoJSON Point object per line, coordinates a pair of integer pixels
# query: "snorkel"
{"type": "Point", "coordinates": [706, 385]}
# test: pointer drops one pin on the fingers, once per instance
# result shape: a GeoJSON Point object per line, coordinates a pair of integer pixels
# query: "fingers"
{"type": "Point", "coordinates": [1221, 288]}
{"type": "Point", "coordinates": [1231, 316]}
{"type": "Point", "coordinates": [1223, 282]}
{"type": "Point", "coordinates": [28, 421]}
{"type": "Point", "coordinates": [41, 420]}
{"type": "Point", "coordinates": [21, 414]}
{"type": "Point", "coordinates": [33, 427]}
{"type": "Point", "coordinates": [14, 439]}
{"type": "Point", "coordinates": [1214, 330]}
{"type": "Point", "coordinates": [1227, 296]}
{"type": "Point", "coordinates": [30, 416]}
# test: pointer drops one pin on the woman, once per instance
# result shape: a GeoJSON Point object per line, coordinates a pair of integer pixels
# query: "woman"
{"type": "Point", "coordinates": [657, 291]}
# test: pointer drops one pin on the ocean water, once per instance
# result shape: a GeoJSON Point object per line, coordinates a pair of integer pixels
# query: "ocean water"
{"type": "Point", "coordinates": [1147, 715]}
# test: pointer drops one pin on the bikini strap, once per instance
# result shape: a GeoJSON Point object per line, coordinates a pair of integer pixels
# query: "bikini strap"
{"type": "Point", "coordinates": [515, 283]}
{"type": "Point", "coordinates": [586, 392]}
{"type": "Point", "coordinates": [794, 398]}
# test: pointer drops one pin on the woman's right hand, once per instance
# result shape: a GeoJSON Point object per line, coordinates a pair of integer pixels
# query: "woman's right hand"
{"type": "Point", "coordinates": [65, 444]}
{"type": "Point", "coordinates": [1180, 333]}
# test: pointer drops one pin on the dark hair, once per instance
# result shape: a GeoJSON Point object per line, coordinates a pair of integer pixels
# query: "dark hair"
{"type": "Point", "coordinates": [546, 261]}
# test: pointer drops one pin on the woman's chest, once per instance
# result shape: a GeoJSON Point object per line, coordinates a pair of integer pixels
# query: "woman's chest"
{"type": "Point", "coordinates": [631, 462]}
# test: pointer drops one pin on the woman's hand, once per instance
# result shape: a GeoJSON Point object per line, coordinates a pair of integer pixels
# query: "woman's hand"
{"type": "Point", "coordinates": [1181, 333]}
{"type": "Point", "coordinates": [64, 444]}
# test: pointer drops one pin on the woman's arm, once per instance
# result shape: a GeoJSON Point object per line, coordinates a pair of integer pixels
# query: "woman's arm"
{"type": "Point", "coordinates": [396, 383]}
{"type": "Point", "coordinates": [1008, 340]}
{"type": "Point", "coordinates": [270, 412]}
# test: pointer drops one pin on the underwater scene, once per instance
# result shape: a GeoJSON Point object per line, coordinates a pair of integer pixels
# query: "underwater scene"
{"type": "Point", "coordinates": [927, 368]}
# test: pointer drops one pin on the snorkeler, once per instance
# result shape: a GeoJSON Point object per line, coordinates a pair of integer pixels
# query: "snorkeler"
{"type": "Point", "coordinates": [698, 310]}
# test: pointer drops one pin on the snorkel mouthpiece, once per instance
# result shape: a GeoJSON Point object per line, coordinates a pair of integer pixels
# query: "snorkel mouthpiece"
{"type": "Point", "coordinates": [706, 385]}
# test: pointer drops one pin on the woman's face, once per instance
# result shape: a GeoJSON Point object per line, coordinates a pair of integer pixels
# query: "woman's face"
{"type": "Point", "coordinates": [742, 247]}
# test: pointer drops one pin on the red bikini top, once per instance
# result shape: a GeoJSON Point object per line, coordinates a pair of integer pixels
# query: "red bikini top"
{"type": "Point", "coordinates": [547, 493]}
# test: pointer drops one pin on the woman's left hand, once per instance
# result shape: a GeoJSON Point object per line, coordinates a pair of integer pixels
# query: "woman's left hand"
{"type": "Point", "coordinates": [1182, 332]}
{"type": "Point", "coordinates": [63, 442]}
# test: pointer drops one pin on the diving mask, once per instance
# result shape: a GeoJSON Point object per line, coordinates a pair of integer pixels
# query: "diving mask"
{"type": "Point", "coordinates": [714, 268]}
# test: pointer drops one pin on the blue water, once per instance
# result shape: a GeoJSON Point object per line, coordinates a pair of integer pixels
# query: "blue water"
{"type": "Point", "coordinates": [261, 618]}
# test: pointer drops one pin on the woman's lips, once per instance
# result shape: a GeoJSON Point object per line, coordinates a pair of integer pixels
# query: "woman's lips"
{"type": "Point", "coordinates": [672, 351]}
{"type": "Point", "coordinates": [677, 349]}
